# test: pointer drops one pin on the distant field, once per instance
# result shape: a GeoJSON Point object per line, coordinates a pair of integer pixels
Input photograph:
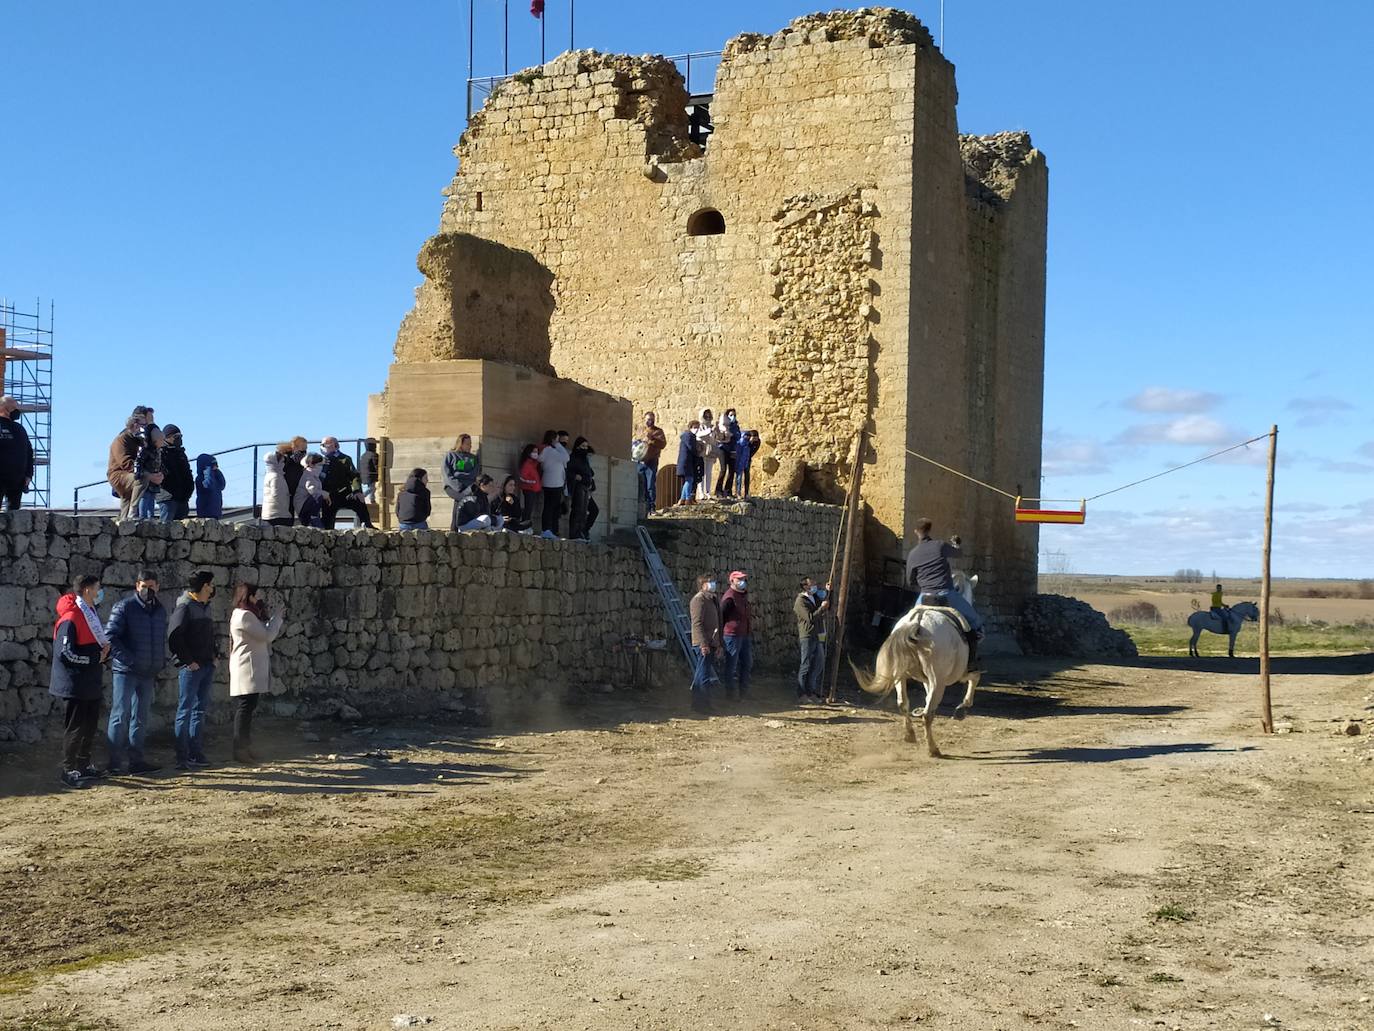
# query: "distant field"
{"type": "Point", "coordinates": [1339, 622]}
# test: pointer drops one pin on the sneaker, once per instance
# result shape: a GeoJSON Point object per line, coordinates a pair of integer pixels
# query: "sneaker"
{"type": "Point", "coordinates": [140, 768]}
{"type": "Point", "coordinates": [89, 772]}
{"type": "Point", "coordinates": [549, 535]}
{"type": "Point", "coordinates": [73, 779]}
{"type": "Point", "coordinates": [200, 760]}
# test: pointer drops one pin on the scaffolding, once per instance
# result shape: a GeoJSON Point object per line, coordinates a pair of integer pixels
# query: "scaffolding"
{"type": "Point", "coordinates": [26, 376]}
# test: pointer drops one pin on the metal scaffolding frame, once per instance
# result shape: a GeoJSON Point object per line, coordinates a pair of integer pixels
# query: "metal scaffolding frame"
{"type": "Point", "coordinates": [26, 375]}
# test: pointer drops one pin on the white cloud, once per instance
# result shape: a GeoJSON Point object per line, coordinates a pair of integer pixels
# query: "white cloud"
{"type": "Point", "coordinates": [1189, 429]}
{"type": "Point", "coordinates": [1166, 400]}
{"type": "Point", "coordinates": [1070, 457]}
{"type": "Point", "coordinates": [1318, 411]}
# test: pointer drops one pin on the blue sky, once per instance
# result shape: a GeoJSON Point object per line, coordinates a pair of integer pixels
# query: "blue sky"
{"type": "Point", "coordinates": [225, 201]}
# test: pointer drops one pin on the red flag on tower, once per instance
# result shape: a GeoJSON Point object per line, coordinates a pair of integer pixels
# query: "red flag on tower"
{"type": "Point", "coordinates": [537, 8]}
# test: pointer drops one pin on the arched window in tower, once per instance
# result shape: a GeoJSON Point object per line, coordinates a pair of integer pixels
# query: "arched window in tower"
{"type": "Point", "coordinates": [706, 222]}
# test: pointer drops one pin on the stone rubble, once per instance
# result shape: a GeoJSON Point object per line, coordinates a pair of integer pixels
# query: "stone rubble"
{"type": "Point", "coordinates": [1052, 624]}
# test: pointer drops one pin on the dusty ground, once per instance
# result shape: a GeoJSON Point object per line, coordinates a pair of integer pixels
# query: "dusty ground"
{"type": "Point", "coordinates": [1107, 847]}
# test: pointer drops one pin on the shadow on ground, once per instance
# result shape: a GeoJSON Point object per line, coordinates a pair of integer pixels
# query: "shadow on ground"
{"type": "Point", "coordinates": [1106, 754]}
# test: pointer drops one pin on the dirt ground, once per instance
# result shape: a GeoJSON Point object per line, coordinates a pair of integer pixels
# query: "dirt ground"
{"type": "Point", "coordinates": [1106, 847]}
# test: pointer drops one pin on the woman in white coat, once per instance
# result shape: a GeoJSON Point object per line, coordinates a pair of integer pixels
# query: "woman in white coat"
{"type": "Point", "coordinates": [276, 500]}
{"type": "Point", "coordinates": [310, 497]}
{"type": "Point", "coordinates": [251, 634]}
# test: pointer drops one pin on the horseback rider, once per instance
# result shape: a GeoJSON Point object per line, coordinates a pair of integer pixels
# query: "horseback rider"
{"type": "Point", "coordinates": [1219, 608]}
{"type": "Point", "coordinates": [927, 569]}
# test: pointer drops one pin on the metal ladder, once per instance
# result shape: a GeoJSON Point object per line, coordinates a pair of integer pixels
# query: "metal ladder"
{"type": "Point", "coordinates": [673, 608]}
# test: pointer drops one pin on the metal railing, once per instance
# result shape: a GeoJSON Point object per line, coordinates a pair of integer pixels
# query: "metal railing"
{"type": "Point", "coordinates": [700, 64]}
{"type": "Point", "coordinates": [253, 469]}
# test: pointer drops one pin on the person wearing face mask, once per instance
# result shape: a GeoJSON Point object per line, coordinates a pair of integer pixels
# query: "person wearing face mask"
{"type": "Point", "coordinates": [728, 436]}
{"type": "Point", "coordinates": [342, 486]}
{"type": "Point", "coordinates": [79, 646]}
{"type": "Point", "coordinates": [704, 609]}
{"type": "Point", "coordinates": [582, 485]}
{"type": "Point", "coordinates": [736, 637]}
{"type": "Point", "coordinates": [251, 633]}
{"type": "Point", "coordinates": [477, 510]}
{"type": "Point", "coordinates": [191, 639]}
{"type": "Point", "coordinates": [178, 483]}
{"type": "Point", "coordinates": [653, 441]}
{"type": "Point", "coordinates": [810, 608]}
{"type": "Point", "coordinates": [16, 455]}
{"type": "Point", "coordinates": [138, 647]}
{"type": "Point", "coordinates": [709, 449]}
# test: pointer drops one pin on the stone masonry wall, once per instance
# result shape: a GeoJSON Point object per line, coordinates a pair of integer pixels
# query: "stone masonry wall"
{"type": "Point", "coordinates": [389, 623]}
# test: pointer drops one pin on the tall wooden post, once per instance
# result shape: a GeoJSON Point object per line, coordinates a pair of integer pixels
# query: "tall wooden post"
{"type": "Point", "coordinates": [1266, 711]}
{"type": "Point", "coordinates": [850, 532]}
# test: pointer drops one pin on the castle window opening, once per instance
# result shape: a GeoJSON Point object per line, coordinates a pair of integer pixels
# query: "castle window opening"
{"type": "Point", "coordinates": [479, 200]}
{"type": "Point", "coordinates": [706, 222]}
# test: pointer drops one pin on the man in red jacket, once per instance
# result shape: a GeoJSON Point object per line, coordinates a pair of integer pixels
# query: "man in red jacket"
{"type": "Point", "coordinates": [737, 636]}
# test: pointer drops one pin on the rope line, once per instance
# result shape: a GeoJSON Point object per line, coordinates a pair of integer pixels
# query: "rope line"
{"type": "Point", "coordinates": [956, 472]}
{"type": "Point", "coordinates": [1185, 465]}
{"type": "Point", "coordinates": [1105, 493]}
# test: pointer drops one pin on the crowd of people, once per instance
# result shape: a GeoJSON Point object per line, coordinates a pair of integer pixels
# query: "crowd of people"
{"type": "Point", "coordinates": [714, 458]}
{"type": "Point", "coordinates": [553, 479]}
{"type": "Point", "coordinates": [136, 644]}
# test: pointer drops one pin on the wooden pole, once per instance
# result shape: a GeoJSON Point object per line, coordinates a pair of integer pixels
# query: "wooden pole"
{"type": "Point", "coordinates": [1266, 710]}
{"type": "Point", "coordinates": [850, 532]}
{"type": "Point", "coordinates": [839, 531]}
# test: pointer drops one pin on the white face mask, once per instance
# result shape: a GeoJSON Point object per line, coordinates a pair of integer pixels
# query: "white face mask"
{"type": "Point", "coordinates": [711, 586]}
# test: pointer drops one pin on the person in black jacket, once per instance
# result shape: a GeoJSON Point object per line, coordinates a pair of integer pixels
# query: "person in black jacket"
{"type": "Point", "coordinates": [413, 506]}
{"type": "Point", "coordinates": [178, 483]}
{"type": "Point", "coordinates": [510, 505]}
{"type": "Point", "coordinates": [79, 646]}
{"type": "Point", "coordinates": [16, 456]}
{"type": "Point", "coordinates": [192, 641]}
{"type": "Point", "coordinates": [341, 485]}
{"type": "Point", "coordinates": [138, 651]}
{"type": "Point", "coordinates": [582, 484]}
{"type": "Point", "coordinates": [474, 511]}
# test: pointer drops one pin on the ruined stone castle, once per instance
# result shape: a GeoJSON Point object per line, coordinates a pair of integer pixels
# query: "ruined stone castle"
{"type": "Point", "coordinates": [833, 256]}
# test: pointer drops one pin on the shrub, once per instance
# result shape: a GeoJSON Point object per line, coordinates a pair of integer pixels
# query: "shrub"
{"type": "Point", "coordinates": [1137, 612]}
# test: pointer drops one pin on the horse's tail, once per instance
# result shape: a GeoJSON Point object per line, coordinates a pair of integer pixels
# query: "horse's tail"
{"type": "Point", "coordinates": [868, 681]}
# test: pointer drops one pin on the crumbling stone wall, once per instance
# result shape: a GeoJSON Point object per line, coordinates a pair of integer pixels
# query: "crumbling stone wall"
{"type": "Point", "coordinates": [856, 105]}
{"type": "Point", "coordinates": [390, 623]}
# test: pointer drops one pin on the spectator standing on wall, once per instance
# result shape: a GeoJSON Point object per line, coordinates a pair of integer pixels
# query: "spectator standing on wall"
{"type": "Point", "coordinates": [251, 633]}
{"type": "Point", "coordinates": [341, 485]}
{"type": "Point", "coordinates": [461, 468]}
{"type": "Point", "coordinates": [16, 456]}
{"type": "Point", "coordinates": [709, 451]}
{"type": "Point", "coordinates": [209, 488]}
{"type": "Point", "coordinates": [553, 472]}
{"type": "Point", "coordinates": [655, 440]}
{"type": "Point", "coordinates": [728, 438]}
{"type": "Point", "coordinates": [276, 502]}
{"type": "Point", "coordinates": [413, 505]}
{"type": "Point", "coordinates": [531, 481]}
{"type": "Point", "coordinates": [511, 507]}
{"type": "Point", "coordinates": [138, 646]}
{"type": "Point", "coordinates": [810, 608]}
{"type": "Point", "coordinates": [477, 511]}
{"type": "Point", "coordinates": [737, 636]}
{"type": "Point", "coordinates": [704, 609]}
{"type": "Point", "coordinates": [174, 500]}
{"type": "Point", "coordinates": [689, 463]}
{"type": "Point", "coordinates": [309, 497]}
{"type": "Point", "coordinates": [582, 485]}
{"type": "Point", "coordinates": [120, 469]}
{"type": "Point", "coordinates": [744, 461]}
{"type": "Point", "coordinates": [292, 467]}
{"type": "Point", "coordinates": [79, 646]}
{"type": "Point", "coordinates": [192, 640]}
{"type": "Point", "coordinates": [368, 469]}
{"type": "Point", "coordinates": [148, 471]}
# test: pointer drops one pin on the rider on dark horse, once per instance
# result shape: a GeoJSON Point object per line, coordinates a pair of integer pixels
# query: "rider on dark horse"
{"type": "Point", "coordinates": [927, 568]}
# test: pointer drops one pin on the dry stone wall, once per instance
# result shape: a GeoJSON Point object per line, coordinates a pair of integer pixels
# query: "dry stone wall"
{"type": "Point", "coordinates": [472, 625]}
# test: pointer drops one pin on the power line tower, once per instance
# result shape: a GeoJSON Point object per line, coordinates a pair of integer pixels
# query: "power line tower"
{"type": "Point", "coordinates": [26, 375]}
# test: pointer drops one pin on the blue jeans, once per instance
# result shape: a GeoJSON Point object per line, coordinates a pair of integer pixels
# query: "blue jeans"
{"type": "Point", "coordinates": [689, 488]}
{"type": "Point", "coordinates": [170, 510]}
{"type": "Point", "coordinates": [812, 666]}
{"type": "Point", "coordinates": [147, 503]}
{"type": "Point", "coordinates": [129, 707]}
{"type": "Point", "coordinates": [423, 524]}
{"type": "Point", "coordinates": [648, 476]}
{"type": "Point", "coordinates": [954, 600]}
{"type": "Point", "coordinates": [703, 676]}
{"type": "Point", "coordinates": [193, 702]}
{"type": "Point", "coordinates": [739, 660]}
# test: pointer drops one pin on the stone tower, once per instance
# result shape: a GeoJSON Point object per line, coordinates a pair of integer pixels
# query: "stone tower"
{"type": "Point", "coordinates": [835, 256]}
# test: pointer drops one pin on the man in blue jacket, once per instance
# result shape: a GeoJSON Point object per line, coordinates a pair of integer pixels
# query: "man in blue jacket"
{"type": "Point", "coordinates": [138, 647]}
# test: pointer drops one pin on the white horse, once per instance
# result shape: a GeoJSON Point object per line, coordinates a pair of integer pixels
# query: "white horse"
{"type": "Point", "coordinates": [1229, 624]}
{"type": "Point", "coordinates": [928, 645]}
